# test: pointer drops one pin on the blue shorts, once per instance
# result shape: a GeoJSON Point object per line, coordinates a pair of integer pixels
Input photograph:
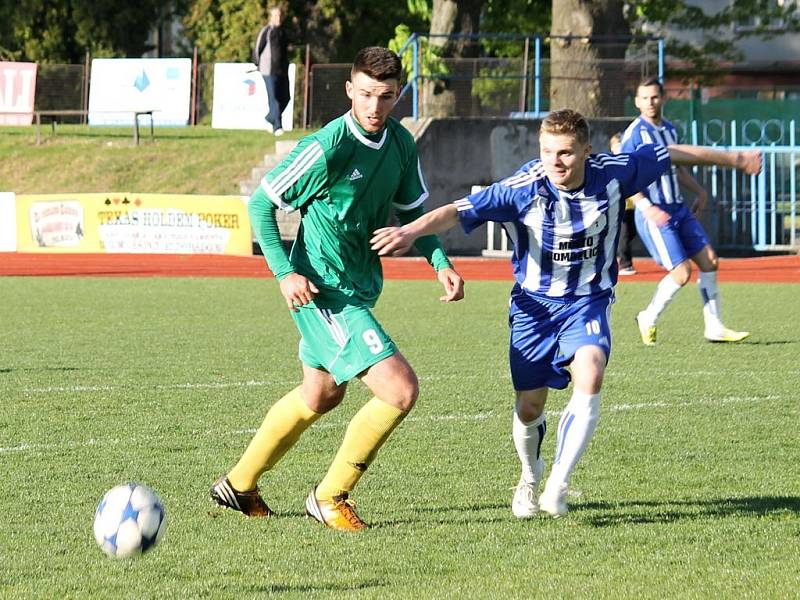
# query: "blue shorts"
{"type": "Point", "coordinates": [675, 242]}
{"type": "Point", "coordinates": [547, 332]}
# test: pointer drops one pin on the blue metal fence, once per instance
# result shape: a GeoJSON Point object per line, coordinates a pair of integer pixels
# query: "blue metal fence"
{"type": "Point", "coordinates": [532, 74]}
{"type": "Point", "coordinates": [752, 212]}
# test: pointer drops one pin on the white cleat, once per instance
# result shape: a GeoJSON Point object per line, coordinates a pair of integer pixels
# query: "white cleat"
{"type": "Point", "coordinates": [553, 500]}
{"type": "Point", "coordinates": [524, 505]}
{"type": "Point", "coordinates": [647, 330]}
{"type": "Point", "coordinates": [723, 334]}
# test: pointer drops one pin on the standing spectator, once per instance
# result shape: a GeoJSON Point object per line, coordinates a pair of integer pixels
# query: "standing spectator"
{"type": "Point", "coordinates": [271, 56]}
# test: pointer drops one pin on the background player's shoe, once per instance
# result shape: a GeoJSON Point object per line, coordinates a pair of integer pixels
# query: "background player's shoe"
{"type": "Point", "coordinates": [248, 503]}
{"type": "Point", "coordinates": [723, 334]}
{"type": "Point", "coordinates": [627, 271]}
{"type": "Point", "coordinates": [553, 500]}
{"type": "Point", "coordinates": [646, 329]}
{"type": "Point", "coordinates": [524, 504]}
{"type": "Point", "coordinates": [338, 513]}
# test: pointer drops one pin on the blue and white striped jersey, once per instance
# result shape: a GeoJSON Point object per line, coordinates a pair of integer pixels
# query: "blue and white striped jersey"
{"type": "Point", "coordinates": [666, 190]}
{"type": "Point", "coordinates": [565, 242]}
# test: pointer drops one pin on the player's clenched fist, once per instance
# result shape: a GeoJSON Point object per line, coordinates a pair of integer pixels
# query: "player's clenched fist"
{"type": "Point", "coordinates": [749, 162]}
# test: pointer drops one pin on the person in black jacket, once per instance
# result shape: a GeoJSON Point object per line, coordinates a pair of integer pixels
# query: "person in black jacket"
{"type": "Point", "coordinates": [271, 56]}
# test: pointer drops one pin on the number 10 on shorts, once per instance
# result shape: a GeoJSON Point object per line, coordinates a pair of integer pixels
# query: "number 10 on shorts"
{"type": "Point", "coordinates": [593, 327]}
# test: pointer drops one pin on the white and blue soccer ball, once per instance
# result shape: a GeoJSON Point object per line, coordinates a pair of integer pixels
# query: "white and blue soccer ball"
{"type": "Point", "coordinates": [129, 520]}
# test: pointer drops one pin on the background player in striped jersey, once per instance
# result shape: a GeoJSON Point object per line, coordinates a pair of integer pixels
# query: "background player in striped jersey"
{"type": "Point", "coordinates": [681, 240]}
{"type": "Point", "coordinates": [562, 214]}
{"type": "Point", "coordinates": [345, 179]}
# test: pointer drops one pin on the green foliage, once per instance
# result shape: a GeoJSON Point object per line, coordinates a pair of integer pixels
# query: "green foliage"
{"type": "Point", "coordinates": [430, 65]}
{"type": "Point", "coordinates": [720, 30]}
{"type": "Point", "coordinates": [492, 88]}
{"type": "Point", "coordinates": [689, 488]}
{"type": "Point", "coordinates": [224, 30]}
{"type": "Point", "coordinates": [497, 88]}
{"type": "Point", "coordinates": [62, 31]}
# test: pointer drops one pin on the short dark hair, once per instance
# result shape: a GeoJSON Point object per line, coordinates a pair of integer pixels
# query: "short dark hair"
{"type": "Point", "coordinates": [378, 63]}
{"type": "Point", "coordinates": [648, 81]}
{"type": "Point", "coordinates": [566, 122]}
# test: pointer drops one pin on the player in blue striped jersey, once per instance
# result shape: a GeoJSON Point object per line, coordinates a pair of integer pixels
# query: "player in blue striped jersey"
{"type": "Point", "coordinates": [681, 240]}
{"type": "Point", "coordinates": [562, 213]}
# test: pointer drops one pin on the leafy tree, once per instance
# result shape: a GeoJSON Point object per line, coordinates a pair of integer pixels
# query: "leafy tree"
{"type": "Point", "coordinates": [586, 72]}
{"type": "Point", "coordinates": [64, 30]}
{"type": "Point", "coordinates": [335, 29]}
{"type": "Point", "coordinates": [764, 19]}
{"type": "Point", "coordinates": [703, 58]}
{"type": "Point", "coordinates": [439, 56]}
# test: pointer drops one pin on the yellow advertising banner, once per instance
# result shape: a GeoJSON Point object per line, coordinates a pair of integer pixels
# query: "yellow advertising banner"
{"type": "Point", "coordinates": [133, 223]}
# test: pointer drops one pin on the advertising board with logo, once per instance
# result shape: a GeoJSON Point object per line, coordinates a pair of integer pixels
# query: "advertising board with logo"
{"type": "Point", "coordinates": [17, 92]}
{"type": "Point", "coordinates": [122, 86]}
{"type": "Point", "coordinates": [133, 223]}
{"type": "Point", "coordinates": [240, 98]}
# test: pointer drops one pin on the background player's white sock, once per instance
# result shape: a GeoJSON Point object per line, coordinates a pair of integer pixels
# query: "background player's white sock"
{"type": "Point", "coordinates": [575, 430]}
{"type": "Point", "coordinates": [712, 310]}
{"type": "Point", "coordinates": [528, 442]}
{"type": "Point", "coordinates": [665, 292]}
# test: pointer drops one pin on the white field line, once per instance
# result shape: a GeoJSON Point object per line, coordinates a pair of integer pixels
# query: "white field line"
{"type": "Point", "coordinates": [293, 382]}
{"type": "Point", "coordinates": [25, 447]}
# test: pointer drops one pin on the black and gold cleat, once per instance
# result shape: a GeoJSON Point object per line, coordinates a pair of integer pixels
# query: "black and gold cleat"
{"type": "Point", "coordinates": [248, 503]}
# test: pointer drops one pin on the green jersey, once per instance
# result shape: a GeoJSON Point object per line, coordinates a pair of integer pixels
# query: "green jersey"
{"type": "Point", "coordinates": [345, 183]}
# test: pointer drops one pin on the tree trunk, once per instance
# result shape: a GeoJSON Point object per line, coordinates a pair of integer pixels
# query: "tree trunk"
{"type": "Point", "coordinates": [448, 97]}
{"type": "Point", "coordinates": [587, 74]}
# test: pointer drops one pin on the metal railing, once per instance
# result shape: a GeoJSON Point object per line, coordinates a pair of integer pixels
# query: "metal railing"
{"type": "Point", "coordinates": [752, 212]}
{"type": "Point", "coordinates": [748, 213]}
{"type": "Point", "coordinates": [522, 78]}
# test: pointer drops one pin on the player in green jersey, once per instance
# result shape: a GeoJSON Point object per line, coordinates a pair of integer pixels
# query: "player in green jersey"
{"type": "Point", "coordinates": [345, 180]}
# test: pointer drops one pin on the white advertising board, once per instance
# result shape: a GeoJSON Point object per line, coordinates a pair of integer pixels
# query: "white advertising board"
{"type": "Point", "coordinates": [17, 90]}
{"type": "Point", "coordinates": [240, 98]}
{"type": "Point", "coordinates": [121, 86]}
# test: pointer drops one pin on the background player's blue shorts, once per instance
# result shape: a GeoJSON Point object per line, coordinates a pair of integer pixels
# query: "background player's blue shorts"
{"type": "Point", "coordinates": [546, 333]}
{"type": "Point", "coordinates": [678, 240]}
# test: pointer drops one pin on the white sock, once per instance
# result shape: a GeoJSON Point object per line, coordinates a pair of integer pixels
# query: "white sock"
{"type": "Point", "coordinates": [575, 430]}
{"type": "Point", "coordinates": [528, 442]}
{"type": "Point", "coordinates": [665, 292]}
{"type": "Point", "coordinates": [712, 310]}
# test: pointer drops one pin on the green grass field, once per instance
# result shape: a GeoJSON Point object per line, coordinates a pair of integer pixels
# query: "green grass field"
{"type": "Point", "coordinates": [181, 160]}
{"type": "Point", "coordinates": [690, 488]}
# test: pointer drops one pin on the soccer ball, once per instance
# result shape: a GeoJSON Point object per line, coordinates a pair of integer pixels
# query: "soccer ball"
{"type": "Point", "coordinates": [129, 520]}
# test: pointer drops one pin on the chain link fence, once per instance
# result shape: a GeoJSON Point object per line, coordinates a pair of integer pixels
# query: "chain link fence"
{"type": "Point", "coordinates": [62, 87]}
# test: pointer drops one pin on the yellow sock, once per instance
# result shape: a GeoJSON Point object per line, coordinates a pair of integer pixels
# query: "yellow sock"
{"type": "Point", "coordinates": [285, 422]}
{"type": "Point", "coordinates": [366, 433]}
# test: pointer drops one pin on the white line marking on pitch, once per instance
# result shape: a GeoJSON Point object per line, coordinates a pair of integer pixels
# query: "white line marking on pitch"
{"type": "Point", "coordinates": [481, 416]}
{"type": "Point", "coordinates": [214, 385]}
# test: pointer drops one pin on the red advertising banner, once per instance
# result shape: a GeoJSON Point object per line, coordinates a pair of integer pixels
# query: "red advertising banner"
{"type": "Point", "coordinates": [17, 91]}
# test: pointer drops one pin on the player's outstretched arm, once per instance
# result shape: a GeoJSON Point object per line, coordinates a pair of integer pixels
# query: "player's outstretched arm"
{"type": "Point", "coordinates": [398, 240]}
{"type": "Point", "coordinates": [747, 161]}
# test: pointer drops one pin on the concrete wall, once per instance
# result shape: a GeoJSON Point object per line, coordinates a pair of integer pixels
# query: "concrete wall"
{"type": "Point", "coordinates": [458, 153]}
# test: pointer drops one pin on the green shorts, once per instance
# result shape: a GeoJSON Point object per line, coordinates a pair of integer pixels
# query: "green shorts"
{"type": "Point", "coordinates": [342, 341]}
